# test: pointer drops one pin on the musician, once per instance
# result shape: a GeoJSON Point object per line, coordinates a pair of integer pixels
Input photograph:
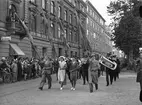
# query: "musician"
{"type": "Point", "coordinates": [108, 56]}
{"type": "Point", "coordinates": [139, 74]}
{"type": "Point", "coordinates": [113, 73]}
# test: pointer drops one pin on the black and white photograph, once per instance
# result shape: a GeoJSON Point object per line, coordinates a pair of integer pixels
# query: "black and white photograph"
{"type": "Point", "coordinates": [70, 52]}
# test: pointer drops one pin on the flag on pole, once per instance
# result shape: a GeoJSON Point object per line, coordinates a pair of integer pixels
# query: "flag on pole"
{"type": "Point", "coordinates": [25, 28]}
{"type": "Point", "coordinates": [28, 34]}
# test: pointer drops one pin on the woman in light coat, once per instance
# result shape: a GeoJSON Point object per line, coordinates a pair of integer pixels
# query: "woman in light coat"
{"type": "Point", "coordinates": [61, 71]}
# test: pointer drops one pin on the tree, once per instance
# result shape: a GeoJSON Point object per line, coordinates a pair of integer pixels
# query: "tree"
{"type": "Point", "coordinates": [127, 26]}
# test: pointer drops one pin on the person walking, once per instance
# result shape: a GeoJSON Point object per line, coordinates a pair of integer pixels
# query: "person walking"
{"type": "Point", "coordinates": [73, 73]}
{"type": "Point", "coordinates": [46, 73]}
{"type": "Point", "coordinates": [84, 68]}
{"type": "Point", "coordinates": [93, 71]}
{"type": "Point", "coordinates": [139, 74]}
{"type": "Point", "coordinates": [62, 71]}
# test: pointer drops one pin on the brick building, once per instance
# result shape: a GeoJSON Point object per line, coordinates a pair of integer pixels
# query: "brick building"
{"type": "Point", "coordinates": [96, 30]}
{"type": "Point", "coordinates": [56, 12]}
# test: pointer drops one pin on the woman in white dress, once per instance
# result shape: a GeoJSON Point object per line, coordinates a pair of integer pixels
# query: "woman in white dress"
{"type": "Point", "coordinates": [61, 70]}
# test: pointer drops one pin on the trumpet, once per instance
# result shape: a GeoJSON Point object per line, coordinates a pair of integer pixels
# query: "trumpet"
{"type": "Point", "coordinates": [108, 63]}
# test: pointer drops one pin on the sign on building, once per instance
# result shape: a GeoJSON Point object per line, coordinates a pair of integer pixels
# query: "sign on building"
{"type": "Point", "coordinates": [5, 38]}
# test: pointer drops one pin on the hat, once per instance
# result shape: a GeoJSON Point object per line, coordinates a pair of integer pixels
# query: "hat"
{"type": "Point", "coordinates": [3, 58]}
{"type": "Point", "coordinates": [140, 50]}
{"type": "Point", "coordinates": [62, 57]}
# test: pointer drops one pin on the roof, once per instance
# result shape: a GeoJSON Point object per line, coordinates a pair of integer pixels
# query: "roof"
{"type": "Point", "coordinates": [87, 1]}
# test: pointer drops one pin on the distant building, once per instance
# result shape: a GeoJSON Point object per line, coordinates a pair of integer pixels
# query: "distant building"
{"type": "Point", "coordinates": [96, 30]}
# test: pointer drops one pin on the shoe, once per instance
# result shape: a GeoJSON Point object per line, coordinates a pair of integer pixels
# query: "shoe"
{"type": "Point", "coordinates": [91, 87]}
{"type": "Point", "coordinates": [40, 88]}
{"type": "Point", "coordinates": [61, 88]}
{"type": "Point", "coordinates": [107, 85]}
{"type": "Point", "coordinates": [72, 88]}
{"type": "Point", "coordinates": [96, 86]}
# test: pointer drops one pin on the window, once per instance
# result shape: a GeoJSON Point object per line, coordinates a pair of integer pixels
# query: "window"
{"type": "Point", "coordinates": [65, 15]}
{"type": "Point", "coordinates": [65, 34]}
{"type": "Point", "coordinates": [52, 29]}
{"type": "Point", "coordinates": [70, 18]}
{"type": "Point", "coordinates": [87, 32]}
{"type": "Point", "coordinates": [59, 31]}
{"type": "Point", "coordinates": [72, 39]}
{"type": "Point", "coordinates": [59, 11]}
{"type": "Point", "coordinates": [87, 20]}
{"type": "Point", "coordinates": [69, 36]}
{"type": "Point", "coordinates": [75, 19]}
{"type": "Point", "coordinates": [32, 23]}
{"type": "Point", "coordinates": [76, 37]}
{"type": "Point", "coordinates": [94, 35]}
{"type": "Point", "coordinates": [43, 4]}
{"type": "Point", "coordinates": [52, 7]}
{"type": "Point", "coordinates": [44, 51]}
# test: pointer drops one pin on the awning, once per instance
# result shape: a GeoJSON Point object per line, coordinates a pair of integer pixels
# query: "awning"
{"type": "Point", "coordinates": [17, 49]}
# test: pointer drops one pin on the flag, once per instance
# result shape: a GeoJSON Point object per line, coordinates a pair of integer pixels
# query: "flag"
{"type": "Point", "coordinates": [28, 34]}
{"type": "Point", "coordinates": [25, 28]}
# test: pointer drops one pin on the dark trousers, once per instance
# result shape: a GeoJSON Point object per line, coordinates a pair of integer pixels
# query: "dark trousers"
{"type": "Point", "coordinates": [68, 73]}
{"type": "Point", "coordinates": [85, 76]}
{"type": "Point", "coordinates": [140, 96]}
{"type": "Point", "coordinates": [107, 77]}
{"type": "Point", "coordinates": [73, 83]}
{"type": "Point", "coordinates": [45, 76]}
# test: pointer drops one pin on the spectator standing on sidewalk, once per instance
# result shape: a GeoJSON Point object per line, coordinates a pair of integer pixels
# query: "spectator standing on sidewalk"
{"type": "Point", "coordinates": [19, 65]}
{"type": "Point", "coordinates": [14, 69]}
{"type": "Point", "coordinates": [139, 74]}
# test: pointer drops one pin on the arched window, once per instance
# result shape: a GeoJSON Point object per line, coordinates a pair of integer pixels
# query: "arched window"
{"type": "Point", "coordinates": [65, 15]}
{"type": "Point", "coordinates": [52, 29]}
{"type": "Point", "coordinates": [65, 34]}
{"type": "Point", "coordinates": [70, 18]}
{"type": "Point", "coordinates": [43, 3]}
{"type": "Point", "coordinates": [32, 23]}
{"type": "Point", "coordinates": [52, 7]}
{"type": "Point", "coordinates": [59, 31]}
{"type": "Point", "coordinates": [59, 11]}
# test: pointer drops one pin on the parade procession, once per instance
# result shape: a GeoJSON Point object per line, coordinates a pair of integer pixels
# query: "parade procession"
{"type": "Point", "coordinates": [70, 52]}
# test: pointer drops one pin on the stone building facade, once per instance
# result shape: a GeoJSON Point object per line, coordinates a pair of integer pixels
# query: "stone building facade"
{"type": "Point", "coordinates": [96, 31]}
{"type": "Point", "coordinates": [30, 11]}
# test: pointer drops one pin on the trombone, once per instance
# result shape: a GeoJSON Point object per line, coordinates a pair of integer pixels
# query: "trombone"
{"type": "Point", "coordinates": [108, 63]}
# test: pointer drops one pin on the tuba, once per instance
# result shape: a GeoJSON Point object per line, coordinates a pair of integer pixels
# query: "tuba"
{"type": "Point", "coordinates": [108, 63]}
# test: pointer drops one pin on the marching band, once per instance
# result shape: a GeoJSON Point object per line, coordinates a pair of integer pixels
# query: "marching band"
{"type": "Point", "coordinates": [88, 68]}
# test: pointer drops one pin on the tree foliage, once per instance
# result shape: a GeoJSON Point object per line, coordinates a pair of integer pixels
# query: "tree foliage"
{"type": "Point", "coordinates": [126, 25]}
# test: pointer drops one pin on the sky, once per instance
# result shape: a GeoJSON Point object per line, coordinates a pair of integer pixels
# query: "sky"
{"type": "Point", "coordinates": [101, 6]}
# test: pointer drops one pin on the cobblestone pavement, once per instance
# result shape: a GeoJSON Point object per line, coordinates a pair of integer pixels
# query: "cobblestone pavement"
{"type": "Point", "coordinates": [125, 91]}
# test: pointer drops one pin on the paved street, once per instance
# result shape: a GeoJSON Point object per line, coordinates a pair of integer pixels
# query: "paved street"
{"type": "Point", "coordinates": [124, 91]}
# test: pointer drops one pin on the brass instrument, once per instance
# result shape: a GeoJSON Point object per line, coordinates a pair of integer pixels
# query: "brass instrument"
{"type": "Point", "coordinates": [108, 63]}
